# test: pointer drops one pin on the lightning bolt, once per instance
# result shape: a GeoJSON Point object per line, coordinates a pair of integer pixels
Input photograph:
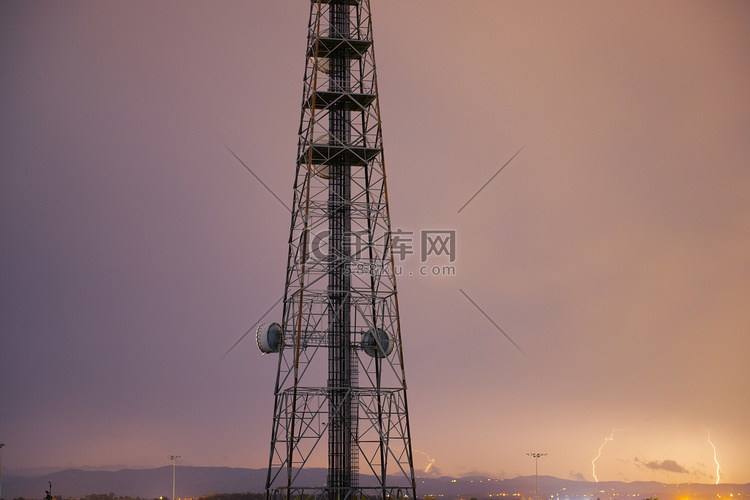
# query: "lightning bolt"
{"type": "Point", "coordinates": [432, 460]}
{"type": "Point", "coordinates": [716, 461]}
{"type": "Point", "coordinates": [593, 462]}
{"type": "Point", "coordinates": [606, 440]}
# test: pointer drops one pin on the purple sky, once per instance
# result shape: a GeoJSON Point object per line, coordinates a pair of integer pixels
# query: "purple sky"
{"type": "Point", "coordinates": [614, 250]}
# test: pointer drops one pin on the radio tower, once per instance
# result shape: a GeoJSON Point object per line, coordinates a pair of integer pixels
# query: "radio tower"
{"type": "Point", "coordinates": [340, 395]}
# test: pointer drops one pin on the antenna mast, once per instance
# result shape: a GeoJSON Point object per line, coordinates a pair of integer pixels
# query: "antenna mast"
{"type": "Point", "coordinates": [341, 377]}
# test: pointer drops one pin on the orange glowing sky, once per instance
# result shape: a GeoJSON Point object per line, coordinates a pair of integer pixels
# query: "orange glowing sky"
{"type": "Point", "coordinates": [614, 249]}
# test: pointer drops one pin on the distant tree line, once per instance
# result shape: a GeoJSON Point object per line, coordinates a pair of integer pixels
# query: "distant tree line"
{"type": "Point", "coordinates": [215, 496]}
{"type": "Point", "coordinates": [93, 496]}
{"type": "Point", "coordinates": [234, 496]}
{"type": "Point", "coordinates": [96, 496]}
{"type": "Point", "coordinates": [112, 496]}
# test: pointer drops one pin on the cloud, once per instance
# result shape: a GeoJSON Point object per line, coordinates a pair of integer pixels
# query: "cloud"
{"type": "Point", "coordinates": [435, 471]}
{"type": "Point", "coordinates": [664, 465]}
{"type": "Point", "coordinates": [576, 476]}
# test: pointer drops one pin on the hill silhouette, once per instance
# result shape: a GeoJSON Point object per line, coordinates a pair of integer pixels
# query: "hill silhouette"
{"type": "Point", "coordinates": [192, 482]}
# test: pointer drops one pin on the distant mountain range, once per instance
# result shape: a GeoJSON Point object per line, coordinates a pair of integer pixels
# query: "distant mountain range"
{"type": "Point", "coordinates": [192, 482]}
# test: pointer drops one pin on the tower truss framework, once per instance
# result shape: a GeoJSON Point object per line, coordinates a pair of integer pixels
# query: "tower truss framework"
{"type": "Point", "coordinates": [340, 394]}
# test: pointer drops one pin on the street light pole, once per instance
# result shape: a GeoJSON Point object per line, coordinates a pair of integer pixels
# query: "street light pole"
{"type": "Point", "coordinates": [536, 473]}
{"type": "Point", "coordinates": [173, 458]}
{"type": "Point", "coordinates": [1, 469]}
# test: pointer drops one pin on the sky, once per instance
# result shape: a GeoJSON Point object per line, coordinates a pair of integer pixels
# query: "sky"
{"type": "Point", "coordinates": [613, 250]}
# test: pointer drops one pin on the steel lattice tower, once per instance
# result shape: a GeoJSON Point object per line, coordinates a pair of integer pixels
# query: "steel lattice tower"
{"type": "Point", "coordinates": [341, 379]}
